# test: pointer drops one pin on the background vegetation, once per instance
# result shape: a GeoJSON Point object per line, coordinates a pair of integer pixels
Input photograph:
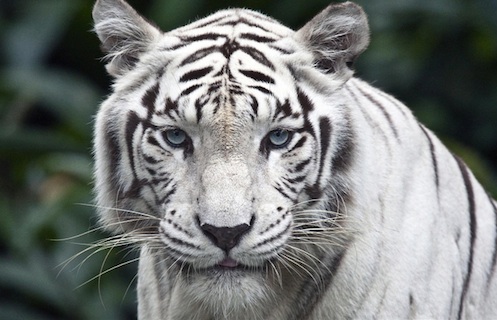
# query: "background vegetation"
{"type": "Point", "coordinates": [440, 57]}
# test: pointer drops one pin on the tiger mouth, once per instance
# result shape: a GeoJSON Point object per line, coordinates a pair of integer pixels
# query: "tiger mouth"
{"type": "Point", "coordinates": [228, 263]}
{"type": "Point", "coordinates": [226, 266]}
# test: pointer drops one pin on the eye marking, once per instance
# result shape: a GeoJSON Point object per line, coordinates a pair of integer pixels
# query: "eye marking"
{"type": "Point", "coordinates": [279, 138]}
{"type": "Point", "coordinates": [175, 137]}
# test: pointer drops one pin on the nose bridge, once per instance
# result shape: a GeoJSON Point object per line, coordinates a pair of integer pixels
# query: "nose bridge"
{"type": "Point", "coordinates": [232, 171]}
{"type": "Point", "coordinates": [226, 197]}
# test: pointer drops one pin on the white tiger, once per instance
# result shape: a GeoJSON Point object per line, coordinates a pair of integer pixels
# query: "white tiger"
{"type": "Point", "coordinates": [262, 181]}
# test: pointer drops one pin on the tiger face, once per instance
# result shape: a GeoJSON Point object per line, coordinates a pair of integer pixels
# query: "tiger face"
{"type": "Point", "coordinates": [214, 146]}
{"type": "Point", "coordinates": [220, 161]}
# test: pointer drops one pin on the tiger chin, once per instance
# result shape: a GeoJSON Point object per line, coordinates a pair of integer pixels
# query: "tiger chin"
{"type": "Point", "coordinates": [261, 180]}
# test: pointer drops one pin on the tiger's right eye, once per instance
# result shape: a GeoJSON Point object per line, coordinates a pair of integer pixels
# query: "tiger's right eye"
{"type": "Point", "coordinates": [175, 137]}
{"type": "Point", "coordinates": [279, 138]}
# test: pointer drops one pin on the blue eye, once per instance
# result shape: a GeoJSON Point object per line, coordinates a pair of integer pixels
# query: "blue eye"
{"type": "Point", "coordinates": [175, 137]}
{"type": "Point", "coordinates": [279, 138]}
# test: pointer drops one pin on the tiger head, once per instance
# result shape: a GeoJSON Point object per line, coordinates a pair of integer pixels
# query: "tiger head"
{"type": "Point", "coordinates": [225, 145]}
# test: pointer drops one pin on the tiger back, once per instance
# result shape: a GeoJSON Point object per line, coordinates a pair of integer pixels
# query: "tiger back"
{"type": "Point", "coordinates": [261, 180]}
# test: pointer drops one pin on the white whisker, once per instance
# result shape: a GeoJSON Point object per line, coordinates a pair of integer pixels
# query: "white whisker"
{"type": "Point", "coordinates": [107, 271]}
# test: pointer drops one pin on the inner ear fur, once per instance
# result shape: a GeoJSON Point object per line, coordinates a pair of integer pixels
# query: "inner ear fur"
{"type": "Point", "coordinates": [336, 36]}
{"type": "Point", "coordinates": [123, 33]}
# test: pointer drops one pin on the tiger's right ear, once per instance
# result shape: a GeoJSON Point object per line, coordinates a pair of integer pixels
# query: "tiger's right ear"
{"type": "Point", "coordinates": [124, 34]}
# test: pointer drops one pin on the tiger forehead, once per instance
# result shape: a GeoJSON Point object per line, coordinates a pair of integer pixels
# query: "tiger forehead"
{"type": "Point", "coordinates": [223, 70]}
{"type": "Point", "coordinates": [231, 39]}
{"type": "Point", "coordinates": [211, 104]}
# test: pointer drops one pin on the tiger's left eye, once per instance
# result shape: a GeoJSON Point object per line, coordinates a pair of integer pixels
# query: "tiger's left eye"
{"type": "Point", "coordinates": [279, 138]}
{"type": "Point", "coordinates": [175, 137]}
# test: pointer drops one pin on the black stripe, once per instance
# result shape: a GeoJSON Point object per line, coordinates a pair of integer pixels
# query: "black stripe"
{"type": "Point", "coordinates": [195, 74]}
{"type": "Point", "coordinates": [201, 37]}
{"type": "Point", "coordinates": [472, 227]}
{"type": "Point", "coordinates": [325, 134]}
{"type": "Point", "coordinates": [159, 186]}
{"type": "Point", "coordinates": [149, 98]}
{"type": "Point", "coordinates": [168, 194]}
{"type": "Point", "coordinates": [255, 37]}
{"type": "Point", "coordinates": [199, 54]}
{"type": "Point", "coordinates": [288, 185]}
{"type": "Point", "coordinates": [375, 125]}
{"type": "Point", "coordinates": [342, 159]}
{"type": "Point", "coordinates": [315, 191]}
{"type": "Point", "coordinates": [304, 101]}
{"type": "Point", "coordinates": [300, 166]}
{"type": "Point", "coordinates": [382, 109]}
{"type": "Point", "coordinates": [258, 56]}
{"type": "Point", "coordinates": [396, 103]}
{"type": "Point", "coordinates": [114, 154]}
{"type": "Point", "coordinates": [261, 89]}
{"type": "Point", "coordinates": [244, 21]}
{"type": "Point", "coordinates": [150, 160]}
{"type": "Point", "coordinates": [257, 76]}
{"type": "Point", "coordinates": [151, 140]}
{"type": "Point", "coordinates": [170, 107]}
{"type": "Point", "coordinates": [198, 107]}
{"type": "Point", "coordinates": [311, 293]}
{"type": "Point", "coordinates": [273, 238]}
{"type": "Point", "coordinates": [214, 86]}
{"type": "Point", "coordinates": [255, 105]}
{"type": "Point", "coordinates": [297, 179]}
{"type": "Point", "coordinates": [165, 180]}
{"type": "Point", "coordinates": [132, 122]}
{"type": "Point", "coordinates": [141, 79]}
{"type": "Point", "coordinates": [299, 144]}
{"type": "Point", "coordinates": [175, 47]}
{"type": "Point", "coordinates": [151, 171]}
{"type": "Point", "coordinates": [189, 90]}
{"type": "Point", "coordinates": [255, 25]}
{"type": "Point", "coordinates": [230, 22]}
{"type": "Point", "coordinates": [216, 101]}
{"type": "Point", "coordinates": [433, 157]}
{"type": "Point", "coordinates": [283, 193]}
{"type": "Point", "coordinates": [179, 242]}
{"type": "Point", "coordinates": [281, 50]}
{"type": "Point", "coordinates": [283, 108]}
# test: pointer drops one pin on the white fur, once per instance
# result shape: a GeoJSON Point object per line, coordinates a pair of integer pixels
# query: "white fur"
{"type": "Point", "coordinates": [400, 245]}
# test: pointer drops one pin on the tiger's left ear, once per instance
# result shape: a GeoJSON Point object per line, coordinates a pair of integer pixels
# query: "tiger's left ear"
{"type": "Point", "coordinates": [336, 36]}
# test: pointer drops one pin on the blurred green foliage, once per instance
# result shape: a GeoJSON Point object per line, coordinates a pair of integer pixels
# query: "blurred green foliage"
{"type": "Point", "coordinates": [439, 57]}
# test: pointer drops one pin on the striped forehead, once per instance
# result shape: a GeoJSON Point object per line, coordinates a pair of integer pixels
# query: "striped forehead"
{"type": "Point", "coordinates": [222, 61]}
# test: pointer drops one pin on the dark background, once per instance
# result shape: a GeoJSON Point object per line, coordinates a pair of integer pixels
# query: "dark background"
{"type": "Point", "coordinates": [439, 57]}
